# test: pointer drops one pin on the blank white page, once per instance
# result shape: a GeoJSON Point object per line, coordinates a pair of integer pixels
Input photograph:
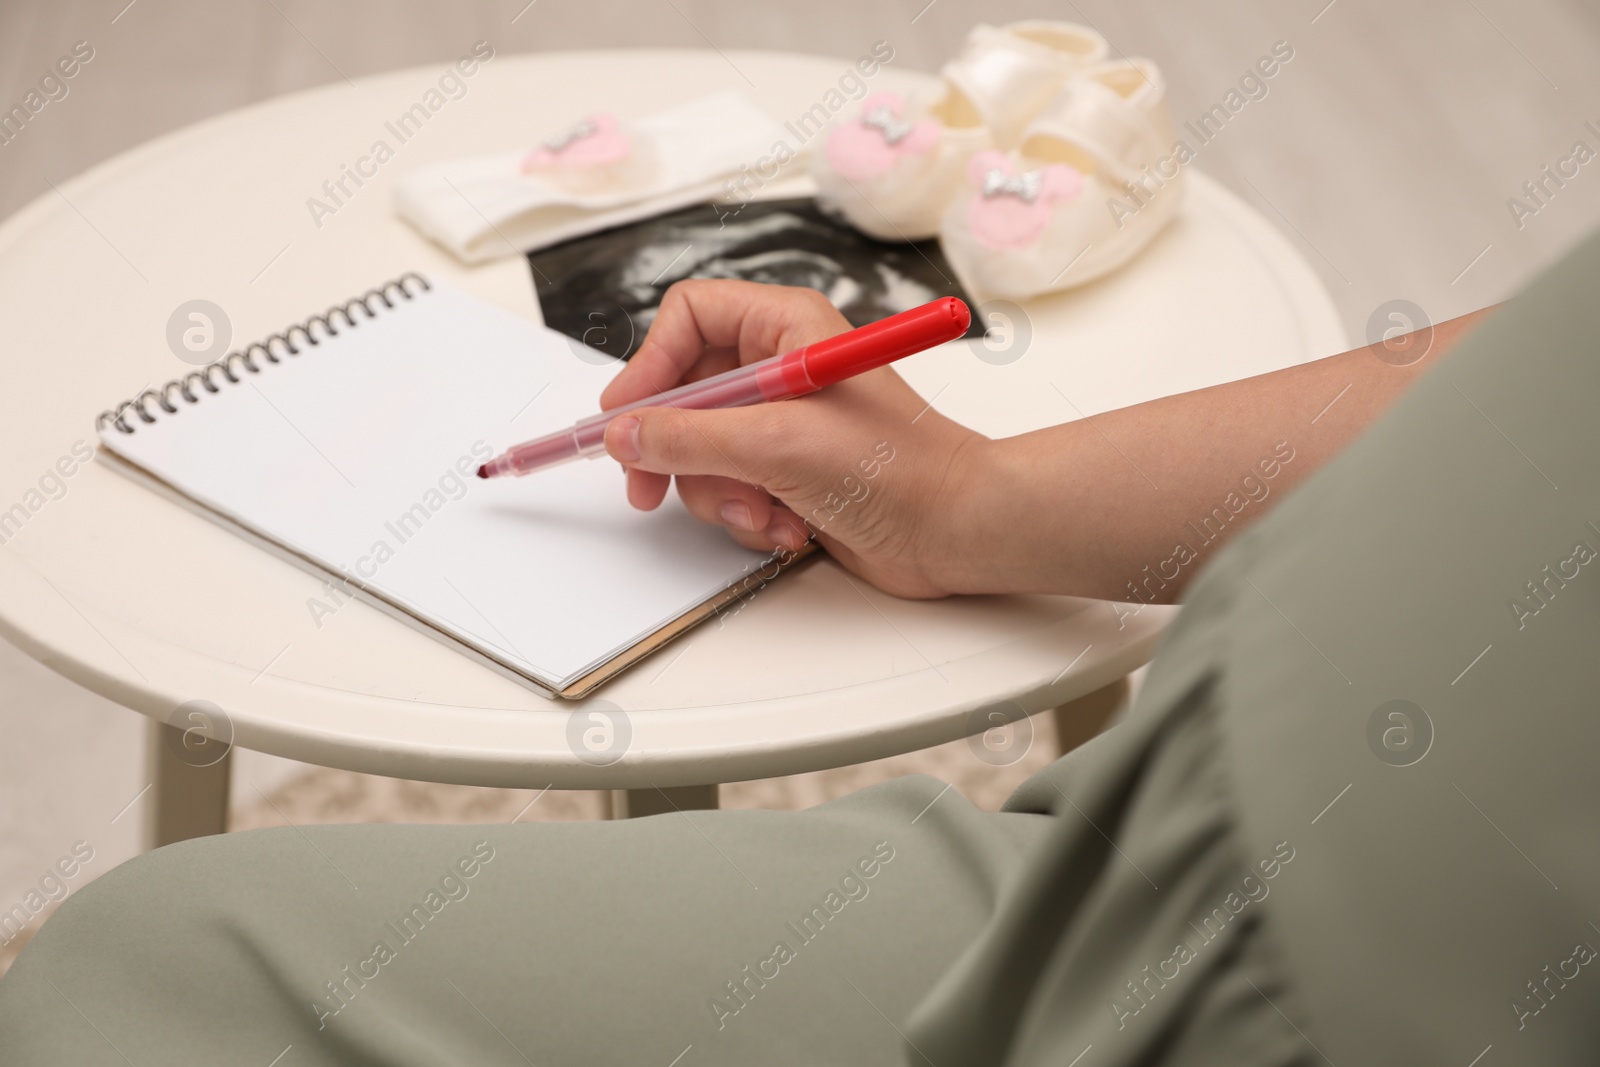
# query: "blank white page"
{"type": "Point", "coordinates": [352, 453]}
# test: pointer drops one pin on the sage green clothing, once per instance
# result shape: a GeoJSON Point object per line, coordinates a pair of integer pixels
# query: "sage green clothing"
{"type": "Point", "coordinates": [1350, 819]}
{"type": "Point", "coordinates": [726, 937]}
{"type": "Point", "coordinates": [569, 943]}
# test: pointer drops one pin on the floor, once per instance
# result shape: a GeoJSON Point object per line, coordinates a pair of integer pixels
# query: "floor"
{"type": "Point", "coordinates": [1392, 149]}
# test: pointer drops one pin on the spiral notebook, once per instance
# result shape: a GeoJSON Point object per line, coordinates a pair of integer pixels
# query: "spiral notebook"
{"type": "Point", "coordinates": [349, 443]}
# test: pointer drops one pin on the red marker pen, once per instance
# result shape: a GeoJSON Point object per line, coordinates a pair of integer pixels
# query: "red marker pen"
{"type": "Point", "coordinates": [782, 377]}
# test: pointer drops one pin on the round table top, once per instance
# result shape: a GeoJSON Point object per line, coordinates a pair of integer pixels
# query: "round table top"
{"type": "Point", "coordinates": [153, 606]}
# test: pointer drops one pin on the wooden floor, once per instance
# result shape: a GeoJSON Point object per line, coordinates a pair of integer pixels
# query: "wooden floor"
{"type": "Point", "coordinates": [1386, 150]}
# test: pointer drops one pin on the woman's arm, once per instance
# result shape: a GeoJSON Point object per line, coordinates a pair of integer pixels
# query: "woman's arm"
{"type": "Point", "coordinates": [1127, 505]}
{"type": "Point", "coordinates": [923, 507]}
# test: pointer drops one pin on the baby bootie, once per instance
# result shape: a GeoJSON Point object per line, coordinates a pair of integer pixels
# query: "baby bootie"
{"type": "Point", "coordinates": [1097, 174]}
{"type": "Point", "coordinates": [892, 169]}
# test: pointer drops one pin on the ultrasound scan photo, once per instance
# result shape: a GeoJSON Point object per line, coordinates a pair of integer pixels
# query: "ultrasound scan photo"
{"type": "Point", "coordinates": [603, 289]}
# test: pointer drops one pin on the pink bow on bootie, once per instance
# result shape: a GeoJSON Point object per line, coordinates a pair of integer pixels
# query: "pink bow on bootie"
{"type": "Point", "coordinates": [870, 145]}
{"type": "Point", "coordinates": [592, 142]}
{"type": "Point", "coordinates": [1011, 209]}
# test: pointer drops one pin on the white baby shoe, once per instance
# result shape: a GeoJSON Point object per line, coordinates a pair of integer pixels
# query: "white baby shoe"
{"type": "Point", "coordinates": [892, 169]}
{"type": "Point", "coordinates": [1096, 175]}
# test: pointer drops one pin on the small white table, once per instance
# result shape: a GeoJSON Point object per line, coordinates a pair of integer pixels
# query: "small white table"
{"type": "Point", "coordinates": [153, 607]}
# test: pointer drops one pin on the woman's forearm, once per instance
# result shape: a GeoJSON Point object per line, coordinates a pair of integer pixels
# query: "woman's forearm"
{"type": "Point", "coordinates": [1129, 504]}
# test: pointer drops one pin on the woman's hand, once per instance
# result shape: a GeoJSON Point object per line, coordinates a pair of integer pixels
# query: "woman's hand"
{"type": "Point", "coordinates": [866, 465]}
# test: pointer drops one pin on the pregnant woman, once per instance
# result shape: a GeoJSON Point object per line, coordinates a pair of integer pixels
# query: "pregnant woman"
{"type": "Point", "coordinates": [1349, 818]}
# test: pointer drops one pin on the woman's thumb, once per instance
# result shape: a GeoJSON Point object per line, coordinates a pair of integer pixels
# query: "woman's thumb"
{"type": "Point", "coordinates": [733, 443]}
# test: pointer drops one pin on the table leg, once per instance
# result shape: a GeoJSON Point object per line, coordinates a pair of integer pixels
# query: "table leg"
{"type": "Point", "coordinates": [637, 803]}
{"type": "Point", "coordinates": [1082, 719]}
{"type": "Point", "coordinates": [186, 800]}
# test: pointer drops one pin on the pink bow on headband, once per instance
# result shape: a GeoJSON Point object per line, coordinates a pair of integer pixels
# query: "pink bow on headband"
{"type": "Point", "coordinates": [596, 141]}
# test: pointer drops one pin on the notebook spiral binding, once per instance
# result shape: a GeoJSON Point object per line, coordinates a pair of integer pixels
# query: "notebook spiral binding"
{"type": "Point", "coordinates": [230, 365]}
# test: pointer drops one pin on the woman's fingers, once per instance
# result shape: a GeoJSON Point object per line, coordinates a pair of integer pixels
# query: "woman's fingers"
{"type": "Point", "coordinates": [726, 502]}
{"type": "Point", "coordinates": [705, 326]}
{"type": "Point", "coordinates": [647, 489]}
{"type": "Point", "coordinates": [786, 529]}
{"type": "Point", "coordinates": [752, 444]}
{"type": "Point", "coordinates": [746, 511]}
